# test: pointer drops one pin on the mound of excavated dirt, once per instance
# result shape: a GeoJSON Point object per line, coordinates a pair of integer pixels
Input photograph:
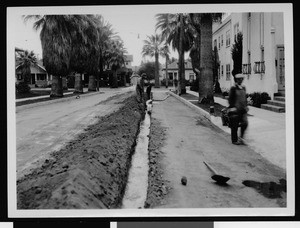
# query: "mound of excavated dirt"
{"type": "Point", "coordinates": [90, 171]}
{"type": "Point", "coordinates": [158, 187]}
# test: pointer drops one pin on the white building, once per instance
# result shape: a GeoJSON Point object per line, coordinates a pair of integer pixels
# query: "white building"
{"type": "Point", "coordinates": [263, 51]}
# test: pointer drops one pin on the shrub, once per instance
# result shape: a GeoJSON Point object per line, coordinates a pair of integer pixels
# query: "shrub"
{"type": "Point", "coordinates": [265, 97]}
{"type": "Point", "coordinates": [163, 82]}
{"type": "Point", "coordinates": [257, 98]}
{"type": "Point", "coordinates": [22, 87]}
{"type": "Point", "coordinates": [225, 93]}
{"type": "Point", "coordinates": [217, 88]}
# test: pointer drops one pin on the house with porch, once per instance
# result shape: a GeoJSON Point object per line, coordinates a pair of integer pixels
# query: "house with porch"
{"type": "Point", "coordinates": [262, 57]}
{"type": "Point", "coordinates": [173, 71]}
{"type": "Point", "coordinates": [39, 76]}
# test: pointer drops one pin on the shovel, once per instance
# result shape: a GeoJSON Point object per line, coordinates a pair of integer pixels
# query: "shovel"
{"type": "Point", "coordinates": [216, 177]}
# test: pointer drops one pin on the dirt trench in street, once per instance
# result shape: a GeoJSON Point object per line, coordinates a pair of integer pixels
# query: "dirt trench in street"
{"type": "Point", "coordinates": [91, 170]}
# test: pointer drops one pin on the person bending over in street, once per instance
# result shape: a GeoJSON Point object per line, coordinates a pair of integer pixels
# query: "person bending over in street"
{"type": "Point", "coordinates": [140, 89]}
{"type": "Point", "coordinates": [148, 91]}
{"type": "Point", "coordinates": [238, 109]}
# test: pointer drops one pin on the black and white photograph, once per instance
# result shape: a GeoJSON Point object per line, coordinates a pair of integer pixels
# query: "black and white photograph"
{"type": "Point", "coordinates": [150, 110]}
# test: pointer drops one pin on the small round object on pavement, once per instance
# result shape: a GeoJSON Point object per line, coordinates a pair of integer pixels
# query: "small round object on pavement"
{"type": "Point", "coordinates": [184, 180]}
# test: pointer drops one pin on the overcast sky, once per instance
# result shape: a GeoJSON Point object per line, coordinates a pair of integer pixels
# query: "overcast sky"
{"type": "Point", "coordinates": [133, 28]}
{"type": "Point", "coordinates": [133, 23]}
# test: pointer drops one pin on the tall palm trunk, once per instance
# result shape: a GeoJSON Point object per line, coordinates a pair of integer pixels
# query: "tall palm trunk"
{"type": "Point", "coordinates": [115, 79]}
{"type": "Point", "coordinates": [101, 71]}
{"type": "Point", "coordinates": [64, 83]}
{"type": "Point", "coordinates": [56, 87]}
{"type": "Point", "coordinates": [78, 83]}
{"type": "Point", "coordinates": [156, 71]}
{"type": "Point", "coordinates": [92, 83]}
{"type": "Point", "coordinates": [181, 69]}
{"type": "Point", "coordinates": [167, 74]}
{"type": "Point", "coordinates": [206, 64]}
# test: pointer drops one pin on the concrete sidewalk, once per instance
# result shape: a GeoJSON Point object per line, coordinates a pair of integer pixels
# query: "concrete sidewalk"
{"type": "Point", "coordinates": [266, 133]}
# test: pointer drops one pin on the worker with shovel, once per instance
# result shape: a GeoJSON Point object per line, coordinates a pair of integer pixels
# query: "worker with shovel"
{"type": "Point", "coordinates": [237, 111]}
{"type": "Point", "coordinates": [140, 89]}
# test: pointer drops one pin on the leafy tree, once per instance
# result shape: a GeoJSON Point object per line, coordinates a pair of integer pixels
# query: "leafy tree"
{"type": "Point", "coordinates": [172, 59]}
{"type": "Point", "coordinates": [216, 66]}
{"type": "Point", "coordinates": [85, 51]}
{"type": "Point", "coordinates": [25, 60]}
{"type": "Point", "coordinates": [176, 29]}
{"type": "Point", "coordinates": [154, 46]}
{"type": "Point", "coordinates": [237, 54]}
{"type": "Point", "coordinates": [149, 69]}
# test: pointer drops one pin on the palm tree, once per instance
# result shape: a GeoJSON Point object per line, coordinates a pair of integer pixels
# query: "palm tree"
{"type": "Point", "coordinates": [165, 54]}
{"type": "Point", "coordinates": [85, 51]}
{"type": "Point", "coordinates": [154, 46]}
{"type": "Point", "coordinates": [176, 29]}
{"type": "Point", "coordinates": [106, 35]}
{"type": "Point", "coordinates": [25, 60]}
{"type": "Point", "coordinates": [202, 23]}
{"type": "Point", "coordinates": [58, 42]}
{"type": "Point", "coordinates": [115, 58]}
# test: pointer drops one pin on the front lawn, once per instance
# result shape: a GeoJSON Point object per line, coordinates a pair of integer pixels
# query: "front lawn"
{"type": "Point", "coordinates": [32, 93]}
{"type": "Point", "coordinates": [194, 100]}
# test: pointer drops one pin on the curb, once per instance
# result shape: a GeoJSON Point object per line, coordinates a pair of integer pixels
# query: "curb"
{"type": "Point", "coordinates": [23, 107]}
{"type": "Point", "coordinates": [192, 106]}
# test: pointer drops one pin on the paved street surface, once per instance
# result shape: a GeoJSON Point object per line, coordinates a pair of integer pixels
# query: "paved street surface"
{"type": "Point", "coordinates": [45, 128]}
{"type": "Point", "coordinates": [191, 140]}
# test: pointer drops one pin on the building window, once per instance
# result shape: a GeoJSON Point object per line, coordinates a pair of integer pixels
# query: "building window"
{"type": "Point", "coordinates": [175, 75]}
{"type": "Point", "coordinates": [215, 43]}
{"type": "Point", "coordinates": [259, 66]}
{"type": "Point", "coordinates": [219, 42]}
{"type": "Point", "coordinates": [222, 40]}
{"type": "Point", "coordinates": [247, 66]}
{"type": "Point", "coordinates": [236, 30]}
{"type": "Point", "coordinates": [192, 77]}
{"type": "Point", "coordinates": [227, 72]}
{"type": "Point", "coordinates": [222, 70]}
{"type": "Point", "coordinates": [170, 76]}
{"type": "Point", "coordinates": [228, 38]}
{"type": "Point", "coordinates": [41, 77]}
{"type": "Point", "coordinates": [219, 72]}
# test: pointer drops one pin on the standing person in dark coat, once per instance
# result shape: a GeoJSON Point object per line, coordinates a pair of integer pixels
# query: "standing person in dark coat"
{"type": "Point", "coordinates": [140, 88]}
{"type": "Point", "coordinates": [238, 109]}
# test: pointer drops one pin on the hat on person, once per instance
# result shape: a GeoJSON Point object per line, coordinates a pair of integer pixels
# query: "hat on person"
{"type": "Point", "coordinates": [239, 76]}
